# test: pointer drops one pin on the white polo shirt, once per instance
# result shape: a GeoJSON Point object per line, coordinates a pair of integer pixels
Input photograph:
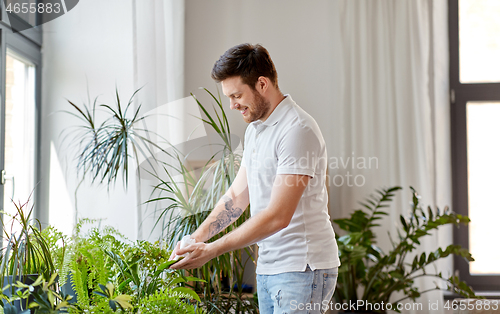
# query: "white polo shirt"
{"type": "Point", "coordinates": [290, 142]}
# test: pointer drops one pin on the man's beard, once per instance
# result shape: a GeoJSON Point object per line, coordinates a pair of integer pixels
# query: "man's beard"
{"type": "Point", "coordinates": [260, 108]}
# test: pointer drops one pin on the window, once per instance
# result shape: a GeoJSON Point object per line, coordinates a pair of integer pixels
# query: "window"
{"type": "Point", "coordinates": [474, 27]}
{"type": "Point", "coordinates": [20, 64]}
{"type": "Point", "coordinates": [19, 132]}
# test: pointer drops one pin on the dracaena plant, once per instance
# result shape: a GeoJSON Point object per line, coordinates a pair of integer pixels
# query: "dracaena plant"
{"type": "Point", "coordinates": [105, 149]}
{"type": "Point", "coordinates": [190, 200]}
{"type": "Point", "coordinates": [26, 251]}
{"type": "Point", "coordinates": [379, 273]}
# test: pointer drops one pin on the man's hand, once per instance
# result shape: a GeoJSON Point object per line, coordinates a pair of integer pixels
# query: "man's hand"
{"type": "Point", "coordinates": [177, 247]}
{"type": "Point", "coordinates": [200, 254]}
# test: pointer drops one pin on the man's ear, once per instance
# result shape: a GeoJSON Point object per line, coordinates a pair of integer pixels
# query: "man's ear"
{"type": "Point", "coordinates": [262, 84]}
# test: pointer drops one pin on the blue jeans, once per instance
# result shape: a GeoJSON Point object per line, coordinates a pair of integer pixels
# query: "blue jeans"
{"type": "Point", "coordinates": [296, 292]}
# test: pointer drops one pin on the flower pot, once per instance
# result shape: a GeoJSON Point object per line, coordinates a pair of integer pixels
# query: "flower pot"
{"type": "Point", "coordinates": [68, 289]}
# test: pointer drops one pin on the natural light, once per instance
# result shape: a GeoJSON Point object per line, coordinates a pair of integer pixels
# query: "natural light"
{"type": "Point", "coordinates": [483, 153]}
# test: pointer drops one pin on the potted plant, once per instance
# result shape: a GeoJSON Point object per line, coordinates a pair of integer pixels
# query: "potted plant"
{"type": "Point", "coordinates": [194, 196]}
{"type": "Point", "coordinates": [105, 149]}
{"type": "Point", "coordinates": [26, 255]}
{"type": "Point", "coordinates": [110, 274]}
{"type": "Point", "coordinates": [46, 297]}
{"type": "Point", "coordinates": [103, 153]}
{"type": "Point", "coordinates": [379, 273]}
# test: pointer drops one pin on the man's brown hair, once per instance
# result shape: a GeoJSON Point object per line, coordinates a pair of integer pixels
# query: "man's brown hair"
{"type": "Point", "coordinates": [247, 61]}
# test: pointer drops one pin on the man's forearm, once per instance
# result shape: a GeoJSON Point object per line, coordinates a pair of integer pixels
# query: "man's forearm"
{"type": "Point", "coordinates": [253, 230]}
{"type": "Point", "coordinates": [224, 213]}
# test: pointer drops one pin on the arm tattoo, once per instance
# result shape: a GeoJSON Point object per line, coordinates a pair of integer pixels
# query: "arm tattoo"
{"type": "Point", "coordinates": [224, 218]}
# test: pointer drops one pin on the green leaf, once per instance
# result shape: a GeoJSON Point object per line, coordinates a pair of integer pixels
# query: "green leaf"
{"type": "Point", "coordinates": [112, 305]}
{"type": "Point", "coordinates": [189, 278]}
{"type": "Point", "coordinates": [403, 221]}
{"type": "Point", "coordinates": [431, 215]}
{"type": "Point", "coordinates": [422, 259]}
{"type": "Point", "coordinates": [100, 294]}
{"type": "Point", "coordinates": [396, 274]}
{"type": "Point", "coordinates": [188, 292]}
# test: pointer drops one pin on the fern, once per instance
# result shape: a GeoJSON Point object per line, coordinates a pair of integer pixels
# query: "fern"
{"type": "Point", "coordinates": [166, 302]}
{"type": "Point", "coordinates": [100, 307]}
{"type": "Point", "coordinates": [56, 242]}
{"type": "Point", "coordinates": [79, 283]}
{"type": "Point", "coordinates": [153, 289]}
{"type": "Point", "coordinates": [65, 268]}
{"type": "Point", "coordinates": [88, 263]}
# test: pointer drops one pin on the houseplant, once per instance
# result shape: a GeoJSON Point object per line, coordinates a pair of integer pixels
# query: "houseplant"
{"type": "Point", "coordinates": [103, 153]}
{"type": "Point", "coordinates": [110, 274]}
{"type": "Point", "coordinates": [105, 149]}
{"type": "Point", "coordinates": [27, 253]}
{"type": "Point", "coordinates": [108, 142]}
{"type": "Point", "coordinates": [194, 197]}
{"type": "Point", "coordinates": [46, 299]}
{"type": "Point", "coordinates": [379, 273]}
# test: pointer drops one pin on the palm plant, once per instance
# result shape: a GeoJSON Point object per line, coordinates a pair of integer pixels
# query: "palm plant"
{"type": "Point", "coordinates": [191, 201]}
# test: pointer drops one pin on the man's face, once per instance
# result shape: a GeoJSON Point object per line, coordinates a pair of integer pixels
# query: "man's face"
{"type": "Point", "coordinates": [252, 105]}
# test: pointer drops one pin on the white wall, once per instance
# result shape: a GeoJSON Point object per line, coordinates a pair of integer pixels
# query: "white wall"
{"type": "Point", "coordinates": [89, 47]}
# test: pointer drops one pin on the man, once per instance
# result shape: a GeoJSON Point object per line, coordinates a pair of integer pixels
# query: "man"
{"type": "Point", "coordinates": [282, 177]}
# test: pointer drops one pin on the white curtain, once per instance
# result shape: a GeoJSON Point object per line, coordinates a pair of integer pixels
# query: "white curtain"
{"type": "Point", "coordinates": [158, 30]}
{"type": "Point", "coordinates": [391, 89]}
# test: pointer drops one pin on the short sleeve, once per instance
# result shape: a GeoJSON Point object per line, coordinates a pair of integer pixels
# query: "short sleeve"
{"type": "Point", "coordinates": [298, 151]}
{"type": "Point", "coordinates": [245, 142]}
{"type": "Point", "coordinates": [243, 163]}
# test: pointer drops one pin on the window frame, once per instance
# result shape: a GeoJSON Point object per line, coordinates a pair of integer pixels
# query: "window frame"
{"type": "Point", "coordinates": [26, 44]}
{"type": "Point", "coordinates": [460, 94]}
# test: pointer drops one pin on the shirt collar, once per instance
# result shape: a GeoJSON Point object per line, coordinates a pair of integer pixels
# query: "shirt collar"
{"type": "Point", "coordinates": [277, 113]}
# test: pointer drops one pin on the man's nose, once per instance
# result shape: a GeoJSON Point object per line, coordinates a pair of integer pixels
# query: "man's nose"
{"type": "Point", "coordinates": [233, 105]}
